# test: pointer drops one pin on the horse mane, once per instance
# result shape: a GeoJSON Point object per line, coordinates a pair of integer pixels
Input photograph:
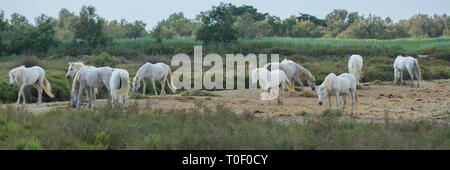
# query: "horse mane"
{"type": "Point", "coordinates": [138, 72]}
{"type": "Point", "coordinates": [305, 71]}
{"type": "Point", "coordinates": [74, 82]}
{"type": "Point", "coordinates": [17, 72]}
{"type": "Point", "coordinates": [77, 65]}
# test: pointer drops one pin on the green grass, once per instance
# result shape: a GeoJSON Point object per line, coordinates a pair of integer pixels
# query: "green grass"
{"type": "Point", "coordinates": [132, 48]}
{"type": "Point", "coordinates": [208, 128]}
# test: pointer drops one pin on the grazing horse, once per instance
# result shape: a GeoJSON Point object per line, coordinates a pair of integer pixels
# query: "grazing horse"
{"type": "Point", "coordinates": [338, 86]}
{"type": "Point", "coordinates": [270, 81]}
{"type": "Point", "coordinates": [120, 85]}
{"type": "Point", "coordinates": [406, 63]}
{"type": "Point", "coordinates": [355, 64]}
{"type": "Point", "coordinates": [294, 71]}
{"type": "Point", "coordinates": [90, 77]}
{"type": "Point", "coordinates": [30, 76]}
{"type": "Point", "coordinates": [158, 71]}
{"type": "Point", "coordinates": [74, 67]}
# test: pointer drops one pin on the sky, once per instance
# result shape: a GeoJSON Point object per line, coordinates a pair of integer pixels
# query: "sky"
{"type": "Point", "coordinates": [151, 11]}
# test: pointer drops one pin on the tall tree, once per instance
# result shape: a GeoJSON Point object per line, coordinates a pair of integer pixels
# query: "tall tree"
{"type": "Point", "coordinates": [45, 28]}
{"type": "Point", "coordinates": [2, 30]}
{"type": "Point", "coordinates": [217, 25]}
{"type": "Point", "coordinates": [90, 27]}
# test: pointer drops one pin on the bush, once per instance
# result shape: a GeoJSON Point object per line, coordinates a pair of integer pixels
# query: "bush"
{"type": "Point", "coordinates": [30, 61]}
{"type": "Point", "coordinates": [104, 59]}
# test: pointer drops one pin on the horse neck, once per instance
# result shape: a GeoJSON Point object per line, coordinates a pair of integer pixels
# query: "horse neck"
{"type": "Point", "coordinates": [140, 73]}
{"type": "Point", "coordinates": [305, 72]}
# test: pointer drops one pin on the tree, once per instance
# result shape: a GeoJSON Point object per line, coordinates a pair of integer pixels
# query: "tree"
{"type": "Point", "coordinates": [337, 21]}
{"type": "Point", "coordinates": [89, 27]}
{"type": "Point", "coordinates": [246, 26]}
{"type": "Point", "coordinates": [177, 25]}
{"type": "Point", "coordinates": [241, 10]}
{"type": "Point", "coordinates": [45, 37]}
{"type": "Point", "coordinates": [313, 19]}
{"type": "Point", "coordinates": [274, 26]}
{"type": "Point", "coordinates": [135, 29]}
{"type": "Point", "coordinates": [217, 25]}
{"type": "Point", "coordinates": [3, 23]}
{"type": "Point", "coordinates": [287, 26]}
{"type": "Point", "coordinates": [307, 28]}
{"type": "Point", "coordinates": [65, 25]}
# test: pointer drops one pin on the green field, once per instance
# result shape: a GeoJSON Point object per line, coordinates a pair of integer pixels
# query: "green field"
{"type": "Point", "coordinates": [314, 47]}
{"type": "Point", "coordinates": [207, 128]}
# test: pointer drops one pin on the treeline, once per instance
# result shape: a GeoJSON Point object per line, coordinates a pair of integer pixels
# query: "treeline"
{"type": "Point", "coordinates": [229, 22]}
{"type": "Point", "coordinates": [84, 32]}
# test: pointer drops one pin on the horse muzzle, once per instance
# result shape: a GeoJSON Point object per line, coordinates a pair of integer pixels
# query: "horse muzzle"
{"type": "Point", "coordinates": [68, 77]}
{"type": "Point", "coordinates": [320, 103]}
{"type": "Point", "coordinates": [11, 85]}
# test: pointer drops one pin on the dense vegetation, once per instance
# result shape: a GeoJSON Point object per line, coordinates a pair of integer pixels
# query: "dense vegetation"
{"type": "Point", "coordinates": [217, 128]}
{"type": "Point", "coordinates": [88, 32]}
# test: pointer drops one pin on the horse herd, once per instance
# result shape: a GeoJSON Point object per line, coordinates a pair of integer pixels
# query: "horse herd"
{"type": "Point", "coordinates": [273, 78]}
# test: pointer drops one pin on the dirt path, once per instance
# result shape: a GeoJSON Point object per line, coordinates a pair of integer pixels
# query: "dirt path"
{"type": "Point", "coordinates": [376, 101]}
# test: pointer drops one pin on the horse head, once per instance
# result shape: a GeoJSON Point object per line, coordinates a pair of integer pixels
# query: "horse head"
{"type": "Point", "coordinates": [320, 93]}
{"type": "Point", "coordinates": [15, 74]}
{"type": "Point", "coordinates": [136, 84]}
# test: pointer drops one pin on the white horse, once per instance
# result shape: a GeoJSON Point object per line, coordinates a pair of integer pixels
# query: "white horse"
{"type": "Point", "coordinates": [294, 71]}
{"type": "Point", "coordinates": [270, 81]}
{"type": "Point", "coordinates": [74, 67]}
{"type": "Point", "coordinates": [406, 63]}
{"type": "Point", "coordinates": [120, 85]}
{"type": "Point", "coordinates": [30, 76]}
{"type": "Point", "coordinates": [90, 77]}
{"type": "Point", "coordinates": [158, 71]}
{"type": "Point", "coordinates": [355, 64]}
{"type": "Point", "coordinates": [338, 86]}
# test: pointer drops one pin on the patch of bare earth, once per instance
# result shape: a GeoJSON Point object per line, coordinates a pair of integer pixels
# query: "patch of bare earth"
{"type": "Point", "coordinates": [376, 102]}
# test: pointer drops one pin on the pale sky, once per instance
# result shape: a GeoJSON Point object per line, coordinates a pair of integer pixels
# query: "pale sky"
{"type": "Point", "coordinates": [151, 12]}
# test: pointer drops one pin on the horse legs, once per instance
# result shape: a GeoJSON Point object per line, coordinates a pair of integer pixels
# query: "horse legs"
{"type": "Point", "coordinates": [80, 92]}
{"type": "Point", "coordinates": [417, 77]}
{"type": "Point", "coordinates": [163, 84]}
{"type": "Point", "coordinates": [412, 77]}
{"type": "Point", "coordinates": [400, 75]}
{"type": "Point", "coordinates": [154, 87]}
{"type": "Point", "coordinates": [329, 102]}
{"type": "Point", "coordinates": [343, 103]}
{"type": "Point", "coordinates": [280, 97]}
{"type": "Point", "coordinates": [20, 93]}
{"type": "Point", "coordinates": [89, 92]}
{"type": "Point", "coordinates": [144, 88]}
{"type": "Point", "coordinates": [337, 100]}
{"type": "Point", "coordinates": [300, 82]}
{"type": "Point", "coordinates": [93, 94]}
{"type": "Point", "coordinates": [353, 102]}
{"type": "Point", "coordinates": [40, 89]}
{"type": "Point", "coordinates": [395, 77]}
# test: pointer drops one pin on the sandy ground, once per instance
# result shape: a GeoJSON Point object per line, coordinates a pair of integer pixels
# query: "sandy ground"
{"type": "Point", "coordinates": [376, 101]}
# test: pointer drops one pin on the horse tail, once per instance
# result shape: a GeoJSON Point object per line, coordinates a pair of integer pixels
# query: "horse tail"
{"type": "Point", "coordinates": [170, 82]}
{"type": "Point", "coordinates": [416, 64]}
{"type": "Point", "coordinates": [289, 86]}
{"type": "Point", "coordinates": [359, 69]}
{"type": "Point", "coordinates": [125, 84]}
{"type": "Point", "coordinates": [48, 88]}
